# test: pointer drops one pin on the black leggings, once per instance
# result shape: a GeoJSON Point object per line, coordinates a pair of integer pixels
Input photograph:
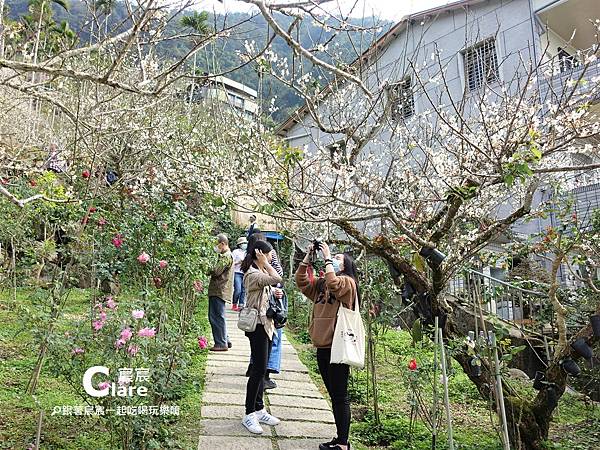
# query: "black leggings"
{"type": "Point", "coordinates": [260, 350]}
{"type": "Point", "coordinates": [335, 377]}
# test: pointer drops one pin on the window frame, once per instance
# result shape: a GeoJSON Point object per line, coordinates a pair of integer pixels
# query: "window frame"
{"type": "Point", "coordinates": [482, 79]}
{"type": "Point", "coordinates": [402, 108]}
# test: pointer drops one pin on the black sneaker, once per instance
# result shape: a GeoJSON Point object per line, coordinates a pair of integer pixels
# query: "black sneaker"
{"type": "Point", "coordinates": [269, 384]}
{"type": "Point", "coordinates": [328, 445]}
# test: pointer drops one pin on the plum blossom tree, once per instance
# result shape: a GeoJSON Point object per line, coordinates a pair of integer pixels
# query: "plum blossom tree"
{"type": "Point", "coordinates": [453, 177]}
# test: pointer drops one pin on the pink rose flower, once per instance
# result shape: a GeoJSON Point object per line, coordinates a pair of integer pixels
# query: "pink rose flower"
{"type": "Point", "coordinates": [103, 385]}
{"type": "Point", "coordinates": [163, 264]}
{"type": "Point", "coordinates": [198, 286]}
{"type": "Point", "coordinates": [143, 258]}
{"type": "Point", "coordinates": [119, 343]}
{"type": "Point", "coordinates": [202, 342]}
{"type": "Point", "coordinates": [412, 365]}
{"type": "Point", "coordinates": [103, 316]}
{"type": "Point", "coordinates": [110, 303]}
{"type": "Point", "coordinates": [126, 334]}
{"type": "Point", "coordinates": [117, 240]}
{"type": "Point", "coordinates": [147, 332]}
{"type": "Point", "coordinates": [97, 325]}
{"type": "Point", "coordinates": [137, 313]}
{"type": "Point", "coordinates": [77, 351]}
{"type": "Point", "coordinates": [133, 349]}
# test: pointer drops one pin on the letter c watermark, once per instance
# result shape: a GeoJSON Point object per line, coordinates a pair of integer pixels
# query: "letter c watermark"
{"type": "Point", "coordinates": [87, 381]}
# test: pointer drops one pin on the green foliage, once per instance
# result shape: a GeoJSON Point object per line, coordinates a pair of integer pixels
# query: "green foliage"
{"type": "Point", "coordinates": [518, 166]}
{"type": "Point", "coordinates": [393, 433]}
{"type": "Point", "coordinates": [59, 384]}
{"type": "Point", "coordinates": [197, 21]}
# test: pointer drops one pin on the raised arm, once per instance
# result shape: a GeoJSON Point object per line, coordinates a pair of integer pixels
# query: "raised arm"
{"type": "Point", "coordinates": [303, 282]}
{"type": "Point", "coordinates": [222, 264]}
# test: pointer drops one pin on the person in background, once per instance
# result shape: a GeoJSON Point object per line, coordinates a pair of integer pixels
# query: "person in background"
{"type": "Point", "coordinates": [259, 275]}
{"type": "Point", "coordinates": [338, 287]}
{"type": "Point", "coordinates": [253, 228]}
{"type": "Point", "coordinates": [220, 292]}
{"type": "Point", "coordinates": [239, 294]}
{"type": "Point", "coordinates": [274, 363]}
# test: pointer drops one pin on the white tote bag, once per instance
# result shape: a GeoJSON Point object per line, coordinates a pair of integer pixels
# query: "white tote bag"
{"type": "Point", "coordinates": [348, 346]}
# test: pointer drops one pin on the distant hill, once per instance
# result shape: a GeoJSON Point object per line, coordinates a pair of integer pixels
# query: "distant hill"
{"type": "Point", "coordinates": [222, 55]}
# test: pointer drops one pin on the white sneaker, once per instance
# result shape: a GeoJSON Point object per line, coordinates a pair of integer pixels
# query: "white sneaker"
{"type": "Point", "coordinates": [251, 423]}
{"type": "Point", "coordinates": [264, 417]}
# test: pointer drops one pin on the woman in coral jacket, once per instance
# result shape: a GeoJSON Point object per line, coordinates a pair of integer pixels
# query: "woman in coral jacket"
{"type": "Point", "coordinates": [338, 287]}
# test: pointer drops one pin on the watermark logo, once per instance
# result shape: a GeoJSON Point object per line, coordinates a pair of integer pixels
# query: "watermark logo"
{"type": "Point", "coordinates": [124, 386]}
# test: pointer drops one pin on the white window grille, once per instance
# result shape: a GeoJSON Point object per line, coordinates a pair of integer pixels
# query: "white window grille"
{"type": "Point", "coordinates": [337, 153]}
{"type": "Point", "coordinates": [481, 64]}
{"type": "Point", "coordinates": [401, 96]}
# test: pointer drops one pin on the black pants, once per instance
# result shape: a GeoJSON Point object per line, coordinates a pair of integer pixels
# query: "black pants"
{"type": "Point", "coordinates": [335, 377]}
{"type": "Point", "coordinates": [260, 350]}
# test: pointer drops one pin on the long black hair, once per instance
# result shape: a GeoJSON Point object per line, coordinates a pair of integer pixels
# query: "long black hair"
{"type": "Point", "coordinates": [350, 270]}
{"type": "Point", "coordinates": [254, 237]}
{"type": "Point", "coordinates": [250, 258]}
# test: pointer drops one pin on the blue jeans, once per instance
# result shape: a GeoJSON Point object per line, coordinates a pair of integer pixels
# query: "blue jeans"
{"type": "Point", "coordinates": [239, 292]}
{"type": "Point", "coordinates": [274, 363]}
{"type": "Point", "coordinates": [216, 317]}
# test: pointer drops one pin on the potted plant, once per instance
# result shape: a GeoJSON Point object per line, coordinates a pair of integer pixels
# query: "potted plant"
{"type": "Point", "coordinates": [595, 321]}
{"type": "Point", "coordinates": [475, 366]}
{"type": "Point", "coordinates": [570, 367]}
{"type": "Point", "coordinates": [538, 381]}
{"type": "Point", "coordinates": [582, 348]}
{"type": "Point", "coordinates": [433, 256]}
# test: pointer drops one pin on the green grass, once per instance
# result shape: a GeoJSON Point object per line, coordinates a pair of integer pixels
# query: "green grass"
{"type": "Point", "coordinates": [19, 412]}
{"type": "Point", "coordinates": [187, 428]}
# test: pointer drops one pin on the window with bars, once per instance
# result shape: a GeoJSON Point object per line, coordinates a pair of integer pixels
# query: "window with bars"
{"type": "Point", "coordinates": [481, 64]}
{"type": "Point", "coordinates": [401, 96]}
{"type": "Point", "coordinates": [337, 153]}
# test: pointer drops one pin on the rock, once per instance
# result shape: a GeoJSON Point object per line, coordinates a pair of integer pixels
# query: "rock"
{"type": "Point", "coordinates": [517, 374]}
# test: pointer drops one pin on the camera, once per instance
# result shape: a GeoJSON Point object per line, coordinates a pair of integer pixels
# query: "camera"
{"type": "Point", "coordinates": [316, 245]}
{"type": "Point", "coordinates": [276, 312]}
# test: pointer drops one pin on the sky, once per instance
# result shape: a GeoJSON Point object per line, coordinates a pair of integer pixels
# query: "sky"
{"type": "Point", "coordinates": [386, 9]}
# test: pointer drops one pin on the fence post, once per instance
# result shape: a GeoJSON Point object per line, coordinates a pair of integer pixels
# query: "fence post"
{"type": "Point", "coordinates": [446, 397]}
{"type": "Point", "coordinates": [499, 391]}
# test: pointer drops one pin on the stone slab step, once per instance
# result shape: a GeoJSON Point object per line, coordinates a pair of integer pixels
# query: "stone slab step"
{"type": "Point", "coordinates": [235, 443]}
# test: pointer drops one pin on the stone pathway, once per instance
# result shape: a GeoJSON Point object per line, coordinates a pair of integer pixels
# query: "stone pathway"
{"type": "Point", "coordinates": [306, 418]}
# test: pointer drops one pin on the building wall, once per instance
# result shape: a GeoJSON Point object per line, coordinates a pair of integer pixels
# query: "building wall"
{"type": "Point", "coordinates": [450, 32]}
{"type": "Point", "coordinates": [520, 40]}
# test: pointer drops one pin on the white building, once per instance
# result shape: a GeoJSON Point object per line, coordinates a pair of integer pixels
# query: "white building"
{"type": "Point", "coordinates": [490, 42]}
{"type": "Point", "coordinates": [226, 94]}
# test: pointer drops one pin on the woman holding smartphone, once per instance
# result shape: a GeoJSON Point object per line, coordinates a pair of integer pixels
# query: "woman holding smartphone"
{"type": "Point", "coordinates": [259, 275]}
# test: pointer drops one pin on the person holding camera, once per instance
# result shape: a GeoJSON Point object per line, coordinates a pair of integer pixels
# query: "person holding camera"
{"type": "Point", "coordinates": [259, 275]}
{"type": "Point", "coordinates": [338, 287]}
